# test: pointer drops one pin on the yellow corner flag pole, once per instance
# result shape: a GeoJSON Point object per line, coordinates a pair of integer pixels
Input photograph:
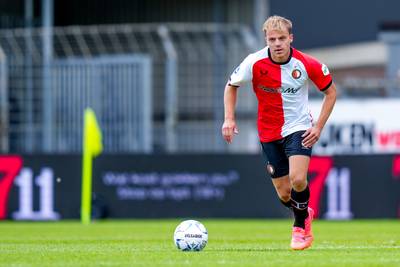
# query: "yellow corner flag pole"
{"type": "Point", "coordinates": [92, 147]}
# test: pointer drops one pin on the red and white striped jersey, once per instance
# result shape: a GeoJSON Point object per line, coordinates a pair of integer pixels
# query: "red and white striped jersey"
{"type": "Point", "coordinates": [281, 90]}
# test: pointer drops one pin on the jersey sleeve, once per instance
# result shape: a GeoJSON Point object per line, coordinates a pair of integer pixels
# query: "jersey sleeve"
{"type": "Point", "coordinates": [242, 74]}
{"type": "Point", "coordinates": [318, 73]}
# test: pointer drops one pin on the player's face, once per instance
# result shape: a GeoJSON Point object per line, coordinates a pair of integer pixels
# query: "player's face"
{"type": "Point", "coordinates": [279, 44]}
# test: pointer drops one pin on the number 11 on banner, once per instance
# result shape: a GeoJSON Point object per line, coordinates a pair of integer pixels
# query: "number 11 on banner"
{"type": "Point", "coordinates": [25, 183]}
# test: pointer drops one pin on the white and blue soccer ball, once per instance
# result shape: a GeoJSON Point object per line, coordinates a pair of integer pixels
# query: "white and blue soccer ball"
{"type": "Point", "coordinates": [190, 235]}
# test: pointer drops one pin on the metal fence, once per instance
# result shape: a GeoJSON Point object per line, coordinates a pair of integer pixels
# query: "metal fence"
{"type": "Point", "coordinates": [3, 103]}
{"type": "Point", "coordinates": [117, 88]}
{"type": "Point", "coordinates": [190, 66]}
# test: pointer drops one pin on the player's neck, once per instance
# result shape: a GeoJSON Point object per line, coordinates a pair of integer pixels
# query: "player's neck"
{"type": "Point", "coordinates": [281, 59]}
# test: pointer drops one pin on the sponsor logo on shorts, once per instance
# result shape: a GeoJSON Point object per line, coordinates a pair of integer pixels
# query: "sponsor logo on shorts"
{"type": "Point", "coordinates": [270, 169]}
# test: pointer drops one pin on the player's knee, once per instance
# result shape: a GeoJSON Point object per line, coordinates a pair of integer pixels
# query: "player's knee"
{"type": "Point", "coordinates": [299, 183]}
{"type": "Point", "coordinates": [284, 198]}
{"type": "Point", "coordinates": [284, 195]}
{"type": "Point", "coordinates": [283, 192]}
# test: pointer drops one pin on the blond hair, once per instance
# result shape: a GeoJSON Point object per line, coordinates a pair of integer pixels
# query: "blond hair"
{"type": "Point", "coordinates": [277, 23]}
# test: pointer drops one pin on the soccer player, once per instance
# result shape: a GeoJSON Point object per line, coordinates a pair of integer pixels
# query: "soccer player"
{"type": "Point", "coordinates": [279, 75]}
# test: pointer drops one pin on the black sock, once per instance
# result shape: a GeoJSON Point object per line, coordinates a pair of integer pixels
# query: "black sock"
{"type": "Point", "coordinates": [287, 204]}
{"type": "Point", "coordinates": [299, 201]}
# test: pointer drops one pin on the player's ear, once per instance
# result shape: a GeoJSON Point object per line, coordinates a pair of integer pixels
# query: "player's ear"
{"type": "Point", "coordinates": [291, 37]}
{"type": "Point", "coordinates": [265, 36]}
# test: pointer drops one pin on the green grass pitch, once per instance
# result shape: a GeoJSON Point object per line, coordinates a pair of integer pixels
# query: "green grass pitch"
{"type": "Point", "coordinates": [231, 243]}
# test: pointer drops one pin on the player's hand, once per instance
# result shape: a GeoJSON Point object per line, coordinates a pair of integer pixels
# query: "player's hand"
{"type": "Point", "coordinates": [229, 129]}
{"type": "Point", "coordinates": [311, 136]}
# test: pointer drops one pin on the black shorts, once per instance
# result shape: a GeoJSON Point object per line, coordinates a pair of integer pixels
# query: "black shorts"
{"type": "Point", "coordinates": [277, 153]}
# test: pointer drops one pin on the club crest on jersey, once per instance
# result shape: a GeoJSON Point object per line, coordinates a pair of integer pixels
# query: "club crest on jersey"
{"type": "Point", "coordinates": [296, 74]}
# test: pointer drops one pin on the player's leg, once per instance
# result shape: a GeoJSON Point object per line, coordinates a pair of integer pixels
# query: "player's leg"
{"type": "Point", "coordinates": [300, 196]}
{"type": "Point", "coordinates": [277, 166]}
{"type": "Point", "coordinates": [300, 193]}
{"type": "Point", "coordinates": [299, 160]}
{"type": "Point", "coordinates": [283, 188]}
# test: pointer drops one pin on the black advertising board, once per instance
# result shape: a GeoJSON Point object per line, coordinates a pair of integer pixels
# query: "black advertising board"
{"type": "Point", "coordinates": [40, 187]}
{"type": "Point", "coordinates": [183, 185]}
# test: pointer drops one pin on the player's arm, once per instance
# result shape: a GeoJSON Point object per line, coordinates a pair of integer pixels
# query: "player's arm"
{"type": "Point", "coordinates": [239, 77]}
{"type": "Point", "coordinates": [229, 127]}
{"type": "Point", "coordinates": [312, 135]}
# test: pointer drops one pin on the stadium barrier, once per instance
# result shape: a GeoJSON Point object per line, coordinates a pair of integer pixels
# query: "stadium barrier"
{"type": "Point", "coordinates": [185, 72]}
{"type": "Point", "coordinates": [40, 187]}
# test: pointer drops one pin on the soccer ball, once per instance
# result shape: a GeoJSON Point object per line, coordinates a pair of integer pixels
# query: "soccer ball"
{"type": "Point", "coordinates": [190, 235]}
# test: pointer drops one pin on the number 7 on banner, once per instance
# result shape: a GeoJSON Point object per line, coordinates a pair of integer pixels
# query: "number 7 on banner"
{"type": "Point", "coordinates": [9, 167]}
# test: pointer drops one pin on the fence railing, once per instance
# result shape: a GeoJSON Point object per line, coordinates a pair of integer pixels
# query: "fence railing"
{"type": "Point", "coordinates": [190, 64]}
{"type": "Point", "coordinates": [3, 102]}
{"type": "Point", "coordinates": [118, 88]}
{"type": "Point", "coordinates": [170, 102]}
